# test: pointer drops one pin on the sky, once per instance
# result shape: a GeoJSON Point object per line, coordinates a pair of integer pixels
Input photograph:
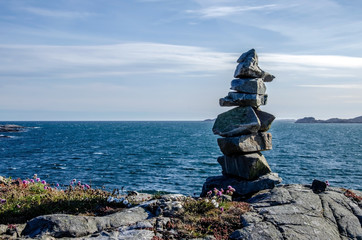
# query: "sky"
{"type": "Point", "coordinates": [173, 60]}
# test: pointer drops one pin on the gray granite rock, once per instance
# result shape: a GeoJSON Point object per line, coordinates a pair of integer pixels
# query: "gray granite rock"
{"type": "Point", "coordinates": [236, 122]}
{"type": "Point", "coordinates": [62, 225]}
{"type": "Point", "coordinates": [246, 143]}
{"type": "Point", "coordinates": [260, 231]}
{"type": "Point", "coordinates": [249, 85]}
{"type": "Point", "coordinates": [249, 166]}
{"type": "Point", "coordinates": [243, 99]}
{"type": "Point", "coordinates": [267, 77]}
{"type": "Point", "coordinates": [248, 67]}
{"type": "Point", "coordinates": [140, 234]}
{"type": "Point", "coordinates": [296, 212]}
{"type": "Point", "coordinates": [173, 197]}
{"type": "Point", "coordinates": [242, 187]}
{"type": "Point", "coordinates": [265, 119]}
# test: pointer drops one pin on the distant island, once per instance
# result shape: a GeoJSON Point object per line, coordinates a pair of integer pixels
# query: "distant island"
{"type": "Point", "coordinates": [331, 120]}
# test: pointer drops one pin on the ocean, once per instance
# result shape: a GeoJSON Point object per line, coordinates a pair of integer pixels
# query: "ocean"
{"type": "Point", "coordinates": [173, 157]}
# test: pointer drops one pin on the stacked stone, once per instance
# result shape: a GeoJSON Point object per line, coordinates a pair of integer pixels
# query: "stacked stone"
{"type": "Point", "coordinates": [243, 131]}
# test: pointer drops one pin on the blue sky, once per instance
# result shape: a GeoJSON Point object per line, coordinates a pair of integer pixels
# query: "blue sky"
{"type": "Point", "coordinates": [173, 60]}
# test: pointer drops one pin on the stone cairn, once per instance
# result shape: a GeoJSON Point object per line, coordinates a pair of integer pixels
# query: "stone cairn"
{"type": "Point", "coordinates": [243, 131]}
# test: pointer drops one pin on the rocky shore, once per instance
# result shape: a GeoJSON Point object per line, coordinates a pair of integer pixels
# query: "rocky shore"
{"type": "Point", "coordinates": [285, 212]}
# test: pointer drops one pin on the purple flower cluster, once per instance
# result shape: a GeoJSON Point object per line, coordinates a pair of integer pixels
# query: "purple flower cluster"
{"type": "Point", "coordinates": [27, 182]}
{"type": "Point", "coordinates": [230, 191]}
{"type": "Point", "coordinates": [218, 193]}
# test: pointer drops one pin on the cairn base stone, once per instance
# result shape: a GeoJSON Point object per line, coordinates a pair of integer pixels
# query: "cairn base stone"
{"type": "Point", "coordinates": [249, 85]}
{"type": "Point", "coordinates": [243, 99]}
{"type": "Point", "coordinates": [236, 122]}
{"type": "Point", "coordinates": [249, 166]}
{"type": "Point", "coordinates": [242, 187]}
{"type": "Point", "coordinates": [246, 143]}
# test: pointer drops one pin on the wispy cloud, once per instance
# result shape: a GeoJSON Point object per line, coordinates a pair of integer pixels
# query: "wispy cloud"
{"type": "Point", "coordinates": [337, 86]}
{"type": "Point", "coordinates": [56, 13]}
{"type": "Point", "coordinates": [325, 61]}
{"type": "Point", "coordinates": [221, 11]}
{"type": "Point", "coordinates": [139, 58]}
{"type": "Point", "coordinates": [146, 58]}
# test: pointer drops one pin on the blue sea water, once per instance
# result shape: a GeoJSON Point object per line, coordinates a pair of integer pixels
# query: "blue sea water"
{"type": "Point", "coordinates": [173, 157]}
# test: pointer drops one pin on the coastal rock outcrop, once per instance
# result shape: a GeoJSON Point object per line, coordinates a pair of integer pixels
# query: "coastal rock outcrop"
{"type": "Point", "coordinates": [11, 128]}
{"type": "Point", "coordinates": [331, 120]}
{"type": "Point", "coordinates": [243, 129]}
{"type": "Point", "coordinates": [296, 212]}
{"type": "Point", "coordinates": [286, 212]}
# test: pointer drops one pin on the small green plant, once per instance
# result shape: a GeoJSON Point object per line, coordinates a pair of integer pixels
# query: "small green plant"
{"type": "Point", "coordinates": [200, 206]}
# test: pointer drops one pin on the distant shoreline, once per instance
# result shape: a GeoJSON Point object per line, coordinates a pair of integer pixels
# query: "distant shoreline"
{"type": "Point", "coordinates": [331, 120]}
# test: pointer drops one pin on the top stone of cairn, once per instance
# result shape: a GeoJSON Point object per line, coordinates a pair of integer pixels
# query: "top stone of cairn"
{"type": "Point", "coordinates": [248, 67]}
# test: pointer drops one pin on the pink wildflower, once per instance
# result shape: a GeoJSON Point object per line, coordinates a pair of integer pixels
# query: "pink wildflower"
{"type": "Point", "coordinates": [2, 201]}
{"type": "Point", "coordinates": [45, 187]}
{"type": "Point", "coordinates": [57, 184]}
{"type": "Point", "coordinates": [18, 206]}
{"type": "Point", "coordinates": [38, 179]}
{"type": "Point", "coordinates": [79, 183]}
{"type": "Point", "coordinates": [82, 186]}
{"type": "Point", "coordinates": [43, 182]}
{"type": "Point", "coordinates": [87, 186]}
{"type": "Point", "coordinates": [222, 209]}
{"type": "Point", "coordinates": [32, 180]}
{"type": "Point", "coordinates": [327, 183]}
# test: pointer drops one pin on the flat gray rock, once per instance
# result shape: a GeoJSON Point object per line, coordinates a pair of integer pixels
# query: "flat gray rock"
{"type": "Point", "coordinates": [243, 99]}
{"type": "Point", "coordinates": [249, 85]}
{"type": "Point", "coordinates": [296, 212]}
{"type": "Point", "coordinates": [236, 122]}
{"type": "Point", "coordinates": [249, 166]}
{"type": "Point", "coordinates": [265, 119]}
{"type": "Point", "coordinates": [248, 67]}
{"type": "Point", "coordinates": [136, 234]}
{"type": "Point", "coordinates": [260, 141]}
{"type": "Point", "coordinates": [63, 225]}
{"type": "Point", "coordinates": [242, 187]}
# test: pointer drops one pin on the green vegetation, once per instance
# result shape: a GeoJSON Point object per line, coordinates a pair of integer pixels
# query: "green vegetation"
{"type": "Point", "coordinates": [22, 200]}
{"type": "Point", "coordinates": [202, 218]}
{"type": "Point", "coordinates": [214, 215]}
